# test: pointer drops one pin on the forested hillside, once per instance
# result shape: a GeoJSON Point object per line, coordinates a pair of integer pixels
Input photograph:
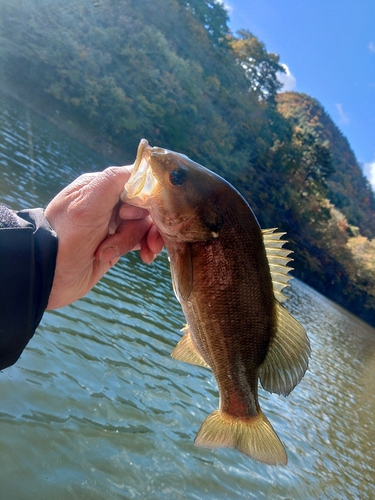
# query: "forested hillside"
{"type": "Point", "coordinates": [171, 71]}
{"type": "Point", "coordinates": [349, 189]}
{"type": "Point", "coordinates": [338, 242]}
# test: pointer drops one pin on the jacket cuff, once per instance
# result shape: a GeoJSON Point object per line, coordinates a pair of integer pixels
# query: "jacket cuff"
{"type": "Point", "coordinates": [28, 250]}
{"type": "Point", "coordinates": [45, 247]}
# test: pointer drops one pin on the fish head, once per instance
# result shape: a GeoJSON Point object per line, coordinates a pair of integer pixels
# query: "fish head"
{"type": "Point", "coordinates": [181, 195]}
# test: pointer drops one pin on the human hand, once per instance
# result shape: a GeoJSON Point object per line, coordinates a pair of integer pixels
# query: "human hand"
{"type": "Point", "coordinates": [94, 229]}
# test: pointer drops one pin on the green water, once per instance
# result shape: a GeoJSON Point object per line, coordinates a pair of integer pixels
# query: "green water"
{"type": "Point", "coordinates": [97, 409]}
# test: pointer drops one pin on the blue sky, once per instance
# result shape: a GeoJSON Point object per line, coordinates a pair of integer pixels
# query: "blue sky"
{"type": "Point", "coordinates": [329, 49]}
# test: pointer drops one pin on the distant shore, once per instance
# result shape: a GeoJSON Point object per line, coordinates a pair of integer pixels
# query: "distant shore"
{"type": "Point", "coordinates": [55, 113]}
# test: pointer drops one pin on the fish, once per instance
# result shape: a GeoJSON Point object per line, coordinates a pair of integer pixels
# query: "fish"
{"type": "Point", "coordinates": [228, 275]}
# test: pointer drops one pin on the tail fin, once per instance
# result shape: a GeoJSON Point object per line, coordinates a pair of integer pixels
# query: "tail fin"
{"type": "Point", "coordinates": [254, 437]}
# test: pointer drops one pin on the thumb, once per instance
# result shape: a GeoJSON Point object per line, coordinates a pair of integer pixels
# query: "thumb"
{"type": "Point", "coordinates": [110, 183]}
{"type": "Point", "coordinates": [127, 236]}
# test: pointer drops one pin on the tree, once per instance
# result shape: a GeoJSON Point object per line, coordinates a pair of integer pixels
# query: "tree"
{"type": "Point", "coordinates": [212, 16]}
{"type": "Point", "coordinates": [315, 163]}
{"type": "Point", "coordinates": [260, 66]}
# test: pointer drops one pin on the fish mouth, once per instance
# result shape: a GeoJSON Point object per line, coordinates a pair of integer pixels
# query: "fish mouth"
{"type": "Point", "coordinates": [142, 181]}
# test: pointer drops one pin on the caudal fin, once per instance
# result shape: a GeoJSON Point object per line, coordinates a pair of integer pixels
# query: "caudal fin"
{"type": "Point", "coordinates": [254, 437]}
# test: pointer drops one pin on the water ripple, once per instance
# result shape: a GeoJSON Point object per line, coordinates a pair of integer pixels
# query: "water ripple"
{"type": "Point", "coordinates": [97, 408]}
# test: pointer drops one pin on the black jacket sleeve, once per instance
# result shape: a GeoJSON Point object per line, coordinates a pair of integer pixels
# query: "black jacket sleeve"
{"type": "Point", "coordinates": [28, 249]}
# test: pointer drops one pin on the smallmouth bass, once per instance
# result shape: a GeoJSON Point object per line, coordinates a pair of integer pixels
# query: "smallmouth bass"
{"type": "Point", "coordinates": [228, 275]}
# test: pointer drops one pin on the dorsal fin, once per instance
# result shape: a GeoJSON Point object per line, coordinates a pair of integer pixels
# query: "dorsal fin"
{"type": "Point", "coordinates": [277, 260]}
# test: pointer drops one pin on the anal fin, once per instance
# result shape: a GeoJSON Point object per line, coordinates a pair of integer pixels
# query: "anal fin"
{"type": "Point", "coordinates": [187, 351]}
{"type": "Point", "coordinates": [288, 356]}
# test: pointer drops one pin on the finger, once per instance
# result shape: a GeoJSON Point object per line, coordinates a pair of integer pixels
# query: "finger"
{"type": "Point", "coordinates": [109, 255]}
{"type": "Point", "coordinates": [115, 220]}
{"type": "Point", "coordinates": [107, 186]}
{"type": "Point", "coordinates": [101, 267]}
{"type": "Point", "coordinates": [128, 212]}
{"type": "Point", "coordinates": [151, 245]}
{"type": "Point", "coordinates": [155, 241]}
{"type": "Point", "coordinates": [127, 236]}
{"type": "Point", "coordinates": [146, 254]}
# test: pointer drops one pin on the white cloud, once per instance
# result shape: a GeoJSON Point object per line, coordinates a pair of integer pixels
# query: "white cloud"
{"type": "Point", "coordinates": [344, 118]}
{"type": "Point", "coordinates": [369, 171]}
{"type": "Point", "coordinates": [287, 79]}
{"type": "Point", "coordinates": [226, 6]}
{"type": "Point", "coordinates": [371, 47]}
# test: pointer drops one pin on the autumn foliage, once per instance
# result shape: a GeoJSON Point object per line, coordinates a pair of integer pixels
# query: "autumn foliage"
{"type": "Point", "coordinates": [171, 71]}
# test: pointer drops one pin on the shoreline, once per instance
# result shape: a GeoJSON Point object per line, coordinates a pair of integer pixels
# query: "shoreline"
{"type": "Point", "coordinates": [55, 113]}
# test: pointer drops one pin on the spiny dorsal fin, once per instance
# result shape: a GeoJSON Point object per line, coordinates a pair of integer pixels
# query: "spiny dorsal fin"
{"type": "Point", "coordinates": [288, 356]}
{"type": "Point", "coordinates": [277, 260]}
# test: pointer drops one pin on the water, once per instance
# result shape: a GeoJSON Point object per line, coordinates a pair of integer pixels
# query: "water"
{"type": "Point", "coordinates": [96, 407]}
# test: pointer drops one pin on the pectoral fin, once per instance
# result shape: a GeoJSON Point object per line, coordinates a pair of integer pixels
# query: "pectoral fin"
{"type": "Point", "coordinates": [182, 273]}
{"type": "Point", "coordinates": [187, 351]}
{"type": "Point", "coordinates": [288, 356]}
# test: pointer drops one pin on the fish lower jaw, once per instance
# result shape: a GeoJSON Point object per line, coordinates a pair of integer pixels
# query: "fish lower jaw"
{"type": "Point", "coordinates": [137, 200]}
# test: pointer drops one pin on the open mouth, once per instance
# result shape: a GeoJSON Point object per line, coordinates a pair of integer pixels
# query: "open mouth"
{"type": "Point", "coordinates": [142, 181]}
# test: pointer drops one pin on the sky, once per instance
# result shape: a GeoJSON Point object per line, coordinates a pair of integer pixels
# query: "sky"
{"type": "Point", "coordinates": [328, 47]}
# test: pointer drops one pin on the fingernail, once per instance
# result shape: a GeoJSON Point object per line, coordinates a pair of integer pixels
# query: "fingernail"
{"type": "Point", "coordinates": [109, 254]}
{"type": "Point", "coordinates": [150, 257]}
{"type": "Point", "coordinates": [160, 244]}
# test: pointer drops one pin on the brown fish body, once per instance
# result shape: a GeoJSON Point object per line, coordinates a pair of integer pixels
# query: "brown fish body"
{"type": "Point", "coordinates": [231, 308]}
{"type": "Point", "coordinates": [221, 272]}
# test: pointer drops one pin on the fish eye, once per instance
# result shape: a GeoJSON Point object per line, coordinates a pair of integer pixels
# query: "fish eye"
{"type": "Point", "coordinates": [178, 177]}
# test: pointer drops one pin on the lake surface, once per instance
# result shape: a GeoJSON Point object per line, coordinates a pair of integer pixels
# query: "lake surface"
{"type": "Point", "coordinates": [97, 409]}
